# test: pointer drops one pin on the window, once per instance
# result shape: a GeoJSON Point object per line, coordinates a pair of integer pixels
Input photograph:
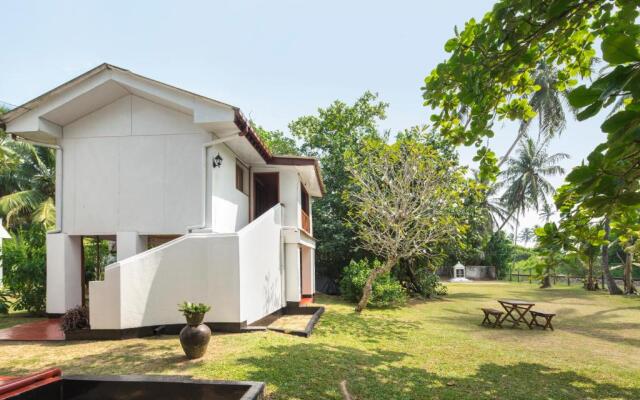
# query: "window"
{"type": "Point", "coordinates": [240, 179]}
{"type": "Point", "coordinates": [459, 273]}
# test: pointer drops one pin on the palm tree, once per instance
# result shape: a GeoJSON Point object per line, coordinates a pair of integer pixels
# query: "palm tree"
{"type": "Point", "coordinates": [547, 212]}
{"type": "Point", "coordinates": [495, 211]}
{"type": "Point", "coordinates": [547, 103]}
{"type": "Point", "coordinates": [525, 178]}
{"type": "Point", "coordinates": [527, 235]}
{"type": "Point", "coordinates": [29, 186]}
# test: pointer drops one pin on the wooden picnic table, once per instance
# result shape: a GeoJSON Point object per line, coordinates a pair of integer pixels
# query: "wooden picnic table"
{"type": "Point", "coordinates": [516, 311]}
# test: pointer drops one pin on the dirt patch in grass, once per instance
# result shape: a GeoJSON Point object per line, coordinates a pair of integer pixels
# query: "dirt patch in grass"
{"type": "Point", "coordinates": [291, 322]}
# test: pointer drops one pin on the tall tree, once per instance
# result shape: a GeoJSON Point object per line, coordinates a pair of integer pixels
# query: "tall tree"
{"type": "Point", "coordinates": [547, 212]}
{"type": "Point", "coordinates": [552, 242]}
{"type": "Point", "coordinates": [611, 282]}
{"type": "Point", "coordinates": [526, 186]}
{"type": "Point", "coordinates": [489, 76]}
{"type": "Point", "coordinates": [547, 103]}
{"type": "Point", "coordinates": [586, 237]}
{"type": "Point", "coordinates": [329, 135]}
{"type": "Point", "coordinates": [572, 210]}
{"type": "Point", "coordinates": [626, 225]}
{"type": "Point", "coordinates": [403, 202]}
{"type": "Point", "coordinates": [277, 141]}
{"type": "Point", "coordinates": [527, 235]}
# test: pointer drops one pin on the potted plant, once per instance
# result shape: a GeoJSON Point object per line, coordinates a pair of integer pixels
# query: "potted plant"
{"type": "Point", "coordinates": [195, 336]}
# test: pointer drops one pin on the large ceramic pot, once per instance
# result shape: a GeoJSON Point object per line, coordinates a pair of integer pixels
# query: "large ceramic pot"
{"type": "Point", "coordinates": [195, 336]}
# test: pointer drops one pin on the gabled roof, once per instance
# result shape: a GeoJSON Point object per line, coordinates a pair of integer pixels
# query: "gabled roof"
{"type": "Point", "coordinates": [239, 121]}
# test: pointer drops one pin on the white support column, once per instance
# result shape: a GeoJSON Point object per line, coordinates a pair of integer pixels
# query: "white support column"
{"type": "Point", "coordinates": [313, 271]}
{"type": "Point", "coordinates": [292, 281]}
{"type": "Point", "coordinates": [307, 284]}
{"type": "Point", "coordinates": [129, 244]}
{"type": "Point", "coordinates": [64, 280]}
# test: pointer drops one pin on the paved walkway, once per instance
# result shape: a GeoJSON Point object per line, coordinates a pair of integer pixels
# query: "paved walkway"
{"type": "Point", "coordinates": [47, 330]}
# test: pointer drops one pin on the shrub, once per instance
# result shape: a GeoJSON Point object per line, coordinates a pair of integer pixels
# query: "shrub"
{"type": "Point", "coordinates": [75, 319]}
{"type": "Point", "coordinates": [24, 263]}
{"type": "Point", "coordinates": [5, 303]}
{"type": "Point", "coordinates": [387, 290]}
{"type": "Point", "coordinates": [424, 282]}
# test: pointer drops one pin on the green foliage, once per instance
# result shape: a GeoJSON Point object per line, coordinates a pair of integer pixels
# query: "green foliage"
{"type": "Point", "coordinates": [277, 142]}
{"type": "Point", "coordinates": [520, 253]}
{"type": "Point", "coordinates": [526, 186]}
{"type": "Point", "coordinates": [404, 199]}
{"type": "Point", "coordinates": [27, 178]}
{"type": "Point", "coordinates": [329, 135]}
{"type": "Point", "coordinates": [498, 253]}
{"type": "Point", "coordinates": [526, 265]}
{"type": "Point", "coordinates": [421, 280]}
{"type": "Point", "coordinates": [387, 290]}
{"type": "Point", "coordinates": [552, 242]}
{"type": "Point", "coordinates": [5, 301]}
{"type": "Point", "coordinates": [490, 75]}
{"type": "Point", "coordinates": [97, 255]}
{"type": "Point", "coordinates": [24, 264]}
{"type": "Point", "coordinates": [188, 308]}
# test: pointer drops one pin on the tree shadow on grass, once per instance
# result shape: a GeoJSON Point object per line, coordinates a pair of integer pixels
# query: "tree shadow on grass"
{"type": "Point", "coordinates": [464, 296]}
{"type": "Point", "coordinates": [132, 358]}
{"type": "Point", "coordinates": [369, 327]}
{"type": "Point", "coordinates": [314, 371]}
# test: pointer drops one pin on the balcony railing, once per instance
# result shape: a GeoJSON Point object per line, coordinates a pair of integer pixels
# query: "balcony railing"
{"type": "Point", "coordinates": [306, 222]}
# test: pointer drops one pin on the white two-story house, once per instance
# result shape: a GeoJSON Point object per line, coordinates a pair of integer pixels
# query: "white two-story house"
{"type": "Point", "coordinates": [141, 162]}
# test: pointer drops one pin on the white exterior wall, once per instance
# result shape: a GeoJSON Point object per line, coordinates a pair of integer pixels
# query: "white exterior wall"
{"type": "Point", "coordinates": [64, 288]}
{"type": "Point", "coordinates": [239, 275]}
{"type": "Point", "coordinates": [145, 290]}
{"type": "Point", "coordinates": [229, 209]}
{"type": "Point", "coordinates": [129, 244]}
{"type": "Point", "coordinates": [261, 269]}
{"type": "Point", "coordinates": [138, 163]}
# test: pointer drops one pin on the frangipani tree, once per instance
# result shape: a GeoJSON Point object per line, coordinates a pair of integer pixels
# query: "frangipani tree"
{"type": "Point", "coordinates": [403, 202]}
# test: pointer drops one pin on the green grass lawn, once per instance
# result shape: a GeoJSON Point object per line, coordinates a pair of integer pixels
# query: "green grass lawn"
{"type": "Point", "coordinates": [426, 350]}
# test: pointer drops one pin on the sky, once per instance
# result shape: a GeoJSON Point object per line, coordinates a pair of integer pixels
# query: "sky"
{"type": "Point", "coordinates": [276, 60]}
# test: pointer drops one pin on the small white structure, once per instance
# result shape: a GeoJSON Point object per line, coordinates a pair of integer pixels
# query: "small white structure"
{"type": "Point", "coordinates": [459, 273]}
{"type": "Point", "coordinates": [3, 235]}
{"type": "Point", "coordinates": [200, 209]}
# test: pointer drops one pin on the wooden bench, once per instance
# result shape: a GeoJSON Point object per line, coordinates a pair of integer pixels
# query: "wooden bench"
{"type": "Point", "coordinates": [496, 314]}
{"type": "Point", "coordinates": [541, 314]}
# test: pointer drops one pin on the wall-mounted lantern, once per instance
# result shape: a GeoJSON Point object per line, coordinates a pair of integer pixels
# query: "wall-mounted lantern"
{"type": "Point", "coordinates": [217, 161]}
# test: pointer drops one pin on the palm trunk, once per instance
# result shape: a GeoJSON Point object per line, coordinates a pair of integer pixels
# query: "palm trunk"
{"type": "Point", "coordinates": [368, 286]}
{"type": "Point", "coordinates": [611, 283]}
{"type": "Point", "coordinates": [506, 220]}
{"type": "Point", "coordinates": [505, 157]}
{"type": "Point", "coordinates": [515, 236]}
